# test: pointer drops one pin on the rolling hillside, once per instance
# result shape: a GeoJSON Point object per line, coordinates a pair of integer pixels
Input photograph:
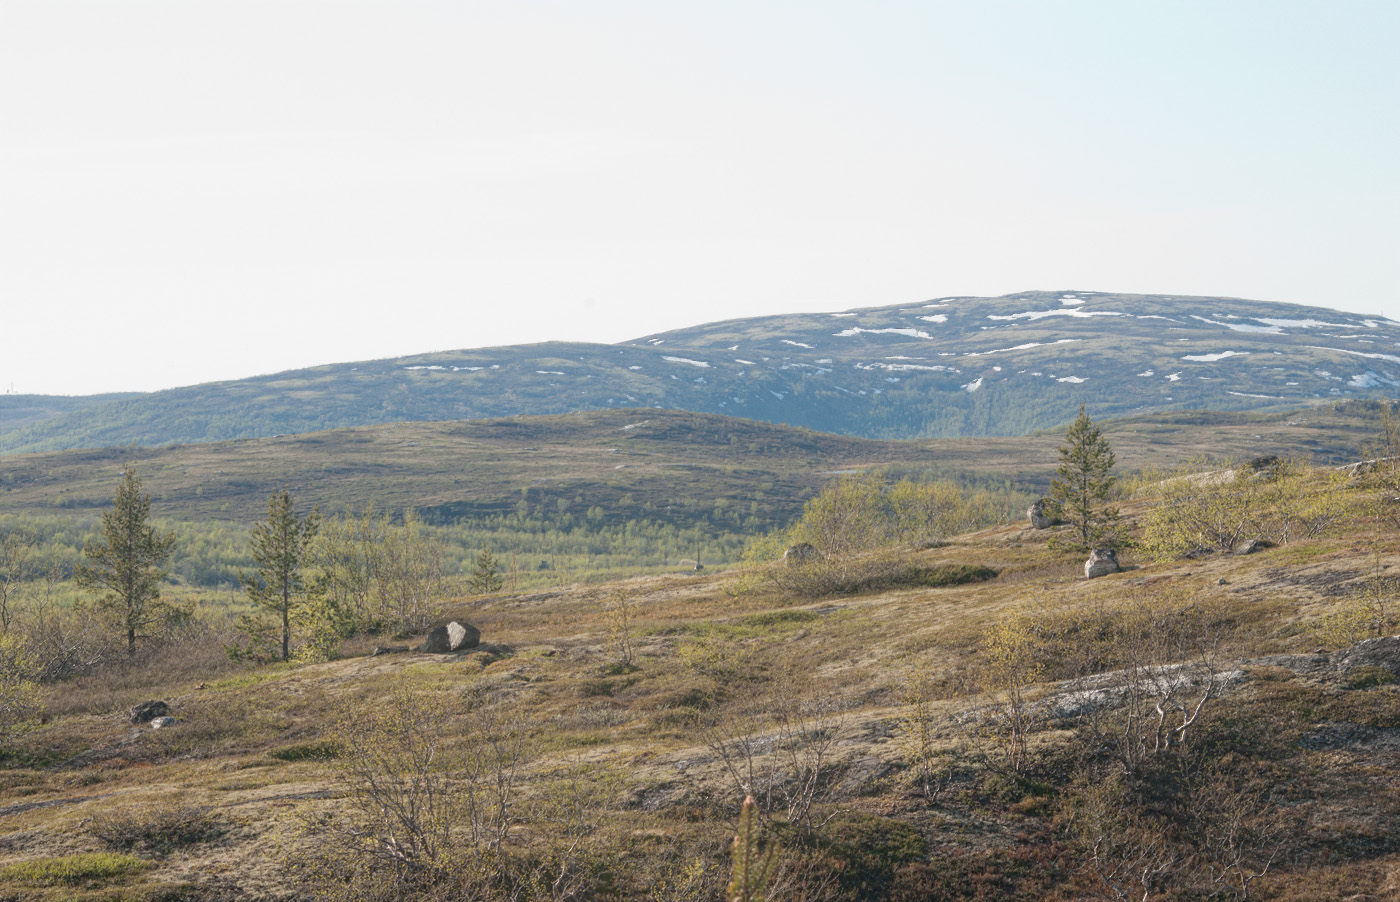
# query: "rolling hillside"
{"type": "Point", "coordinates": [631, 464]}
{"type": "Point", "coordinates": [948, 367]}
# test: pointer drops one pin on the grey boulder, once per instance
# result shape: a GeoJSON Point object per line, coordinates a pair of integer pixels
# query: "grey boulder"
{"type": "Point", "coordinates": [1101, 562]}
{"type": "Point", "coordinates": [149, 711]}
{"type": "Point", "coordinates": [450, 637]}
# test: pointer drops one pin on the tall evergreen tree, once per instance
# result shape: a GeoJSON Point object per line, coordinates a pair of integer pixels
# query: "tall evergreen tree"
{"type": "Point", "coordinates": [279, 547]}
{"type": "Point", "coordinates": [126, 566]}
{"type": "Point", "coordinates": [1082, 483]}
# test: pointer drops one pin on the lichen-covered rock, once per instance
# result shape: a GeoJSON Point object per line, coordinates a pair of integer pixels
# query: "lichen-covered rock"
{"type": "Point", "coordinates": [1253, 545]}
{"type": "Point", "coordinates": [161, 722]}
{"type": "Point", "coordinates": [451, 637]}
{"type": "Point", "coordinates": [1101, 562]}
{"type": "Point", "coordinates": [149, 711]}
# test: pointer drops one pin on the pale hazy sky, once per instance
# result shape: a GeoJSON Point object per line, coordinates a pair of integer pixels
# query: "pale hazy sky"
{"type": "Point", "coordinates": [197, 189]}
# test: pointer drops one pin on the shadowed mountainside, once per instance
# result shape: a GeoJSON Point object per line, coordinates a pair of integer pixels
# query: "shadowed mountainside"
{"type": "Point", "coordinates": [949, 367]}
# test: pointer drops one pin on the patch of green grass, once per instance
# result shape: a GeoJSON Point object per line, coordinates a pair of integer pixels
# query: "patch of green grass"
{"type": "Point", "coordinates": [73, 870]}
{"type": "Point", "coordinates": [1367, 677]}
{"type": "Point", "coordinates": [779, 618]}
{"type": "Point", "coordinates": [754, 626]}
{"type": "Point", "coordinates": [949, 575]}
{"type": "Point", "coordinates": [251, 677]}
{"type": "Point", "coordinates": [308, 751]}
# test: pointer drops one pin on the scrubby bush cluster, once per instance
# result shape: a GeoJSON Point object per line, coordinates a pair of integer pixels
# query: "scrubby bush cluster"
{"type": "Point", "coordinates": [861, 530]}
{"type": "Point", "coordinates": [1206, 507]}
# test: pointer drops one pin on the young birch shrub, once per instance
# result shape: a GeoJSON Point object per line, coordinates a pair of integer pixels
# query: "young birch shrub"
{"type": "Point", "coordinates": [779, 755]}
{"type": "Point", "coordinates": [932, 766]}
{"type": "Point", "coordinates": [1010, 668]}
{"type": "Point", "coordinates": [620, 614]}
{"type": "Point", "coordinates": [20, 700]}
{"type": "Point", "coordinates": [1371, 612]}
{"type": "Point", "coordinates": [1148, 673]}
{"type": "Point", "coordinates": [425, 811]}
{"type": "Point", "coordinates": [1206, 508]}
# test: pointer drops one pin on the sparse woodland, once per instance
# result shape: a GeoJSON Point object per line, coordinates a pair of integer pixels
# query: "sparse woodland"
{"type": "Point", "coordinates": [934, 704]}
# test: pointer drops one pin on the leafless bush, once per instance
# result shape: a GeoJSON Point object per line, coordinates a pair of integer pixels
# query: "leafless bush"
{"type": "Point", "coordinates": [1166, 671]}
{"type": "Point", "coordinates": [157, 830]}
{"type": "Point", "coordinates": [1240, 830]}
{"type": "Point", "coordinates": [1130, 854]}
{"type": "Point", "coordinates": [780, 755]}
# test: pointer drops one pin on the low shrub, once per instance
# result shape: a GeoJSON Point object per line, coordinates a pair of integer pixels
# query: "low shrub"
{"type": "Point", "coordinates": [158, 831]}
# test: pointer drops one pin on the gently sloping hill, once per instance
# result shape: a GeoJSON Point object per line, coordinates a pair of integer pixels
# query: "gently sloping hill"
{"type": "Point", "coordinates": [766, 689]}
{"type": "Point", "coordinates": [630, 464]}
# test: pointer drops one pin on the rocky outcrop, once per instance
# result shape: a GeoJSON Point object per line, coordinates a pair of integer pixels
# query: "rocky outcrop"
{"type": "Point", "coordinates": [451, 637]}
{"type": "Point", "coordinates": [1101, 562]}
{"type": "Point", "coordinates": [1040, 514]}
{"type": "Point", "coordinates": [149, 711]}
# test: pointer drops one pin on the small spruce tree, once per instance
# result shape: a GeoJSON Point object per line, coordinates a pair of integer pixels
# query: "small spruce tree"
{"type": "Point", "coordinates": [280, 546]}
{"type": "Point", "coordinates": [1082, 483]}
{"type": "Point", "coordinates": [486, 575]}
{"type": "Point", "coordinates": [126, 565]}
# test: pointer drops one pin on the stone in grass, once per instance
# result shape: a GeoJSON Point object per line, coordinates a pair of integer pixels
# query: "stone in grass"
{"type": "Point", "coordinates": [161, 722]}
{"type": "Point", "coordinates": [1101, 562]}
{"type": "Point", "coordinates": [149, 711]}
{"type": "Point", "coordinates": [451, 637]}
{"type": "Point", "coordinates": [1039, 514]}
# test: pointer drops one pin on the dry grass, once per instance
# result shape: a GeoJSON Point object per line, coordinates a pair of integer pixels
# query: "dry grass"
{"type": "Point", "coordinates": [250, 750]}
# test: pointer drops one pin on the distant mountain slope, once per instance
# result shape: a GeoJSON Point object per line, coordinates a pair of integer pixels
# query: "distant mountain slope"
{"type": "Point", "coordinates": [17, 411]}
{"type": "Point", "coordinates": [672, 466]}
{"type": "Point", "coordinates": [949, 367]}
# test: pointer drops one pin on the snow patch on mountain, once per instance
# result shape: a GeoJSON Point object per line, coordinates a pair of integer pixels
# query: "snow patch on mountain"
{"type": "Point", "coordinates": [1370, 379]}
{"type": "Point", "coordinates": [699, 363]}
{"type": "Point", "coordinates": [856, 330]}
{"type": "Point", "coordinates": [1305, 324]}
{"type": "Point", "coordinates": [1071, 379]}
{"type": "Point", "coordinates": [797, 344]}
{"type": "Point", "coordinates": [1026, 346]}
{"type": "Point", "coordinates": [1387, 357]}
{"type": "Point", "coordinates": [1041, 314]}
{"type": "Point", "coordinates": [973, 385]}
{"type": "Point", "coordinates": [1211, 358]}
{"type": "Point", "coordinates": [1241, 327]}
{"type": "Point", "coordinates": [935, 318]}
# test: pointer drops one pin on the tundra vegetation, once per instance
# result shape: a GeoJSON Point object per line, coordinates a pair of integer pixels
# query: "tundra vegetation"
{"type": "Point", "coordinates": [946, 710]}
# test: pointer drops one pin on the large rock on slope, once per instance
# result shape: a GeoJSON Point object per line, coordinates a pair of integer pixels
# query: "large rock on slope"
{"type": "Point", "coordinates": [149, 711]}
{"type": "Point", "coordinates": [452, 636]}
{"type": "Point", "coordinates": [1101, 562]}
{"type": "Point", "coordinates": [1039, 514]}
